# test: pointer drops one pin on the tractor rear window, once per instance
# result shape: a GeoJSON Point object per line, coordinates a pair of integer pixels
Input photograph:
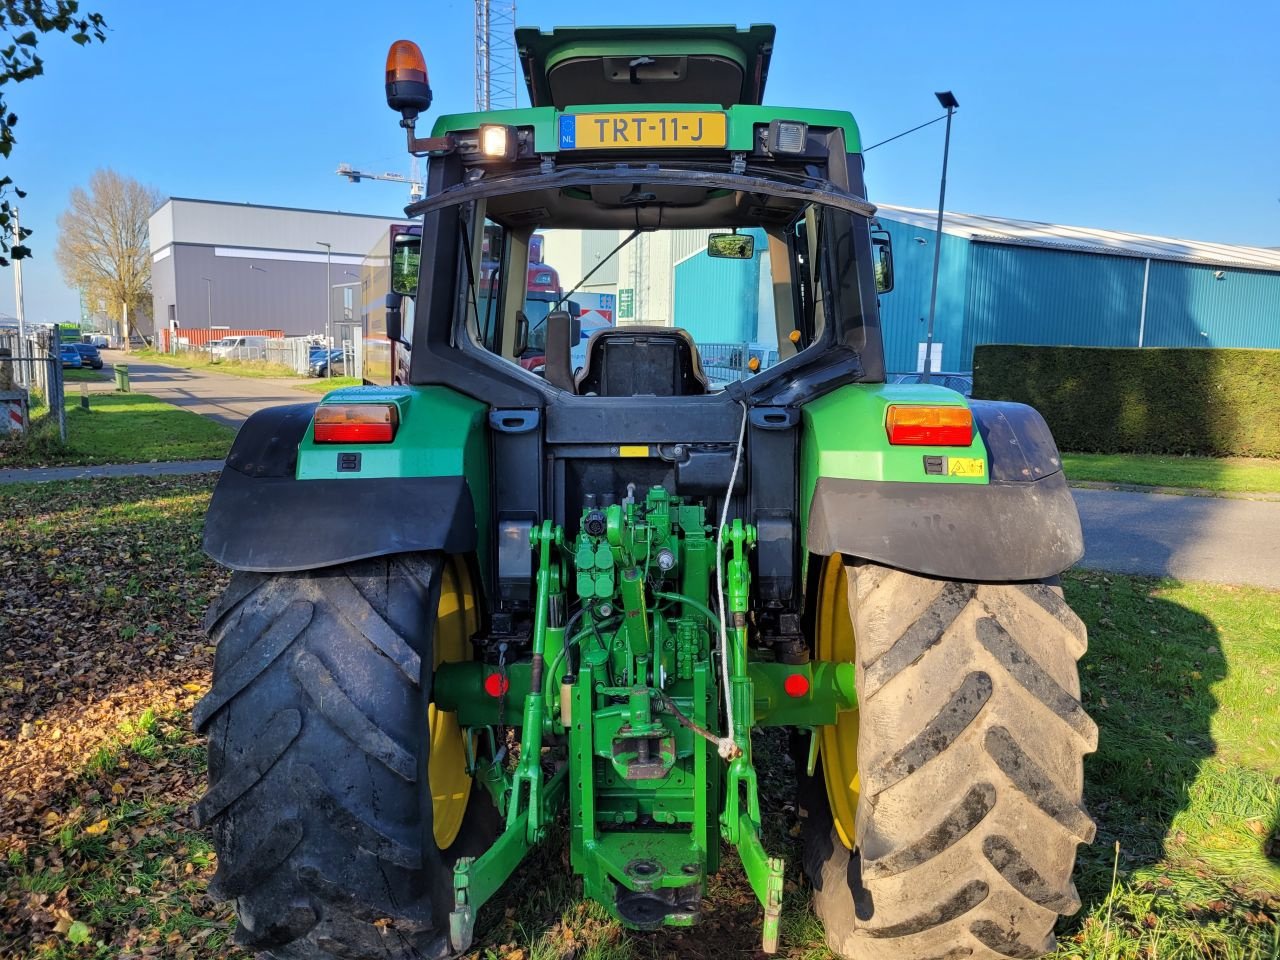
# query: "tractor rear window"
{"type": "Point", "coordinates": [744, 282]}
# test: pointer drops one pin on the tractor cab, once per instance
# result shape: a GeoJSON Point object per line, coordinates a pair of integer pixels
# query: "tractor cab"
{"type": "Point", "coordinates": [665, 196]}
{"type": "Point", "coordinates": [643, 491]}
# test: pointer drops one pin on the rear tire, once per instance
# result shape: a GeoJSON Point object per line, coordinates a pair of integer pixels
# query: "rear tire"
{"type": "Point", "coordinates": [319, 796]}
{"type": "Point", "coordinates": [971, 738]}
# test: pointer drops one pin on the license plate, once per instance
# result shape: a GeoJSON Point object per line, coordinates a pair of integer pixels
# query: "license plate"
{"type": "Point", "coordinates": [620, 131]}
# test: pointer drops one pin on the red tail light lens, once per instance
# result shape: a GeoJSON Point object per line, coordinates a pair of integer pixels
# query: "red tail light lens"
{"type": "Point", "coordinates": [929, 426]}
{"type": "Point", "coordinates": [356, 423]}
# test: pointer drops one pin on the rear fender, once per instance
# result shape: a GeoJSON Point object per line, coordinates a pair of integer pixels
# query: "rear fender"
{"type": "Point", "coordinates": [1021, 524]}
{"type": "Point", "coordinates": [264, 518]}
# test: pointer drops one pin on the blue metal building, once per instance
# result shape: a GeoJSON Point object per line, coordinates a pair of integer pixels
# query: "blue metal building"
{"type": "Point", "coordinates": [1018, 281]}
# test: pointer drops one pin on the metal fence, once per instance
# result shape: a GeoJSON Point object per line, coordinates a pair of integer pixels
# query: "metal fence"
{"type": "Point", "coordinates": [726, 362]}
{"type": "Point", "coordinates": [295, 353]}
{"type": "Point", "coordinates": [34, 364]}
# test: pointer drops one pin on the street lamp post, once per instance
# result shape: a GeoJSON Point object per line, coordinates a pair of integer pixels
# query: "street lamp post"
{"type": "Point", "coordinates": [949, 103]}
{"type": "Point", "coordinates": [328, 302]}
{"type": "Point", "coordinates": [208, 289]}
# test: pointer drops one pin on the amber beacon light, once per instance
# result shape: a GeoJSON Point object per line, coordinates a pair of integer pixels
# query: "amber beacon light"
{"type": "Point", "coordinates": [408, 90]}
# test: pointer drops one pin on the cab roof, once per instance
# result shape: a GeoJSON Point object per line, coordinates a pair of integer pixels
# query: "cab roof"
{"type": "Point", "coordinates": [575, 66]}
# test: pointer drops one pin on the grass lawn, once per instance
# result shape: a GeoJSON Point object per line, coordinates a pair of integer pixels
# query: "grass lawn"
{"type": "Point", "coordinates": [120, 428]}
{"type": "Point", "coordinates": [324, 385]}
{"type": "Point", "coordinates": [84, 375]}
{"type": "Point", "coordinates": [1232, 474]}
{"type": "Point", "coordinates": [194, 361]}
{"type": "Point", "coordinates": [98, 764]}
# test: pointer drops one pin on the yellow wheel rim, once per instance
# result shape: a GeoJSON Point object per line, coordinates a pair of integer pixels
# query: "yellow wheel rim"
{"type": "Point", "coordinates": [838, 743]}
{"type": "Point", "coordinates": [447, 766]}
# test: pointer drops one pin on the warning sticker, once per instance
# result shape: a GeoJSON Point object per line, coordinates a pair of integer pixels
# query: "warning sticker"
{"type": "Point", "coordinates": [966, 466]}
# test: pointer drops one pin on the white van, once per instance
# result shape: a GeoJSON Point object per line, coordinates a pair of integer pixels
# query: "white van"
{"type": "Point", "coordinates": [240, 348]}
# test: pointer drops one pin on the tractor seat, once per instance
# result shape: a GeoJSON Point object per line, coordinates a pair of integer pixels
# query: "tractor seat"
{"type": "Point", "coordinates": [641, 361]}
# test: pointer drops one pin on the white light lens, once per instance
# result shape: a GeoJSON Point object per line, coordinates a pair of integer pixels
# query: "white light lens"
{"type": "Point", "coordinates": [493, 141]}
{"type": "Point", "coordinates": [790, 137]}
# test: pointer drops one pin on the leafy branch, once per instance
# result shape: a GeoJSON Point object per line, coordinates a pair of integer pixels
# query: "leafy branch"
{"type": "Point", "coordinates": [22, 23]}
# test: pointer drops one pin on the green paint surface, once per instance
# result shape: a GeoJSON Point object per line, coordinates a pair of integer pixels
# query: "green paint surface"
{"type": "Point", "coordinates": [742, 120]}
{"type": "Point", "coordinates": [844, 436]}
{"type": "Point", "coordinates": [442, 434]}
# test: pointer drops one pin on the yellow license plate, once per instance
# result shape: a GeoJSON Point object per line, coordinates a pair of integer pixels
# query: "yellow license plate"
{"type": "Point", "coordinates": [620, 131]}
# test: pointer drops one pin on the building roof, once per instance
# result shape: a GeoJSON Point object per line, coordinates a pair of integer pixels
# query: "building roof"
{"type": "Point", "coordinates": [1032, 233]}
{"type": "Point", "coordinates": [259, 229]}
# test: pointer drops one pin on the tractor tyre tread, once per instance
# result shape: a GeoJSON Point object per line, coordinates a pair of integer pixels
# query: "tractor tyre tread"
{"type": "Point", "coordinates": [318, 799]}
{"type": "Point", "coordinates": [970, 755]}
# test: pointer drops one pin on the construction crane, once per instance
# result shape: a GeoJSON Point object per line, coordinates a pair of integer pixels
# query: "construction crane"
{"type": "Point", "coordinates": [413, 179]}
{"type": "Point", "coordinates": [497, 76]}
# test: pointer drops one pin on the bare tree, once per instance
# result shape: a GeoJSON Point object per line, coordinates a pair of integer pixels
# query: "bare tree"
{"type": "Point", "coordinates": [103, 247]}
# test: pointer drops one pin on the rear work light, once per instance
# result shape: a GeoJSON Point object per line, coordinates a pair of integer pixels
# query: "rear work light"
{"type": "Point", "coordinates": [788, 136]}
{"type": "Point", "coordinates": [356, 423]}
{"type": "Point", "coordinates": [929, 426]}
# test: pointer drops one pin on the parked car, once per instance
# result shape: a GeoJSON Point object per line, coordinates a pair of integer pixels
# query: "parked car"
{"type": "Point", "coordinates": [101, 341]}
{"type": "Point", "coordinates": [962, 383]}
{"type": "Point", "coordinates": [89, 355]}
{"type": "Point", "coordinates": [70, 357]}
{"type": "Point", "coordinates": [240, 348]}
{"type": "Point", "coordinates": [320, 364]}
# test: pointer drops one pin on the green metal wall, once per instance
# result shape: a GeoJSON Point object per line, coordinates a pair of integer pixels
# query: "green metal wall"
{"type": "Point", "coordinates": [1187, 306]}
{"type": "Point", "coordinates": [1005, 293]}
{"type": "Point", "coordinates": [718, 301]}
{"type": "Point", "coordinates": [1031, 295]}
{"type": "Point", "coordinates": [904, 311]}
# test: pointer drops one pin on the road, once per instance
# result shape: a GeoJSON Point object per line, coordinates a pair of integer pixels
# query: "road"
{"type": "Point", "coordinates": [1191, 538]}
{"type": "Point", "coordinates": [224, 398]}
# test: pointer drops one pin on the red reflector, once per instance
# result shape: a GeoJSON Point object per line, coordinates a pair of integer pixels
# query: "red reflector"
{"type": "Point", "coordinates": [796, 685]}
{"type": "Point", "coordinates": [495, 685]}
{"type": "Point", "coordinates": [930, 426]}
{"type": "Point", "coordinates": [356, 423]}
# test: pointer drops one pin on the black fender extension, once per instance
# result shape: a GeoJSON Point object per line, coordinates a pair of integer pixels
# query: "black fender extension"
{"type": "Point", "coordinates": [263, 519]}
{"type": "Point", "coordinates": [1023, 525]}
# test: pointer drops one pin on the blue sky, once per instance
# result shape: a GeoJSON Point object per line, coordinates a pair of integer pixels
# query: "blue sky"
{"type": "Point", "coordinates": [1155, 117]}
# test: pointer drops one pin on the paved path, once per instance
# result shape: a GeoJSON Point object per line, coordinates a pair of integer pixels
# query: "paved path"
{"type": "Point", "coordinates": [1191, 538]}
{"type": "Point", "coordinates": [220, 397]}
{"type": "Point", "coordinates": [46, 474]}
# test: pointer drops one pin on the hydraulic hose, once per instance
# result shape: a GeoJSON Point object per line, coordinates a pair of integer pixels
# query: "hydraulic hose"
{"type": "Point", "coordinates": [729, 743]}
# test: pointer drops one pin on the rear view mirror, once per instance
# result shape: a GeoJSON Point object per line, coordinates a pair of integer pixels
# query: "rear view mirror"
{"type": "Point", "coordinates": [731, 246]}
{"type": "Point", "coordinates": [883, 247]}
{"type": "Point", "coordinates": [395, 330]}
{"type": "Point", "coordinates": [407, 254]}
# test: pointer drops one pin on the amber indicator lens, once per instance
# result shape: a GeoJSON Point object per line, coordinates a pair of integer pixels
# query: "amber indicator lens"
{"type": "Point", "coordinates": [929, 426]}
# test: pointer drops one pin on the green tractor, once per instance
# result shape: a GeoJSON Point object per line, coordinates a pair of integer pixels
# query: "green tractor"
{"type": "Point", "coordinates": [519, 597]}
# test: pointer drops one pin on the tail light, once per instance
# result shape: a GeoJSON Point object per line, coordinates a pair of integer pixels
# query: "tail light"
{"type": "Point", "coordinates": [356, 423]}
{"type": "Point", "coordinates": [929, 426]}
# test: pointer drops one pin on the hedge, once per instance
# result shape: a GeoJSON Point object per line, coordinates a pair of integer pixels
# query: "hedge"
{"type": "Point", "coordinates": [1202, 401]}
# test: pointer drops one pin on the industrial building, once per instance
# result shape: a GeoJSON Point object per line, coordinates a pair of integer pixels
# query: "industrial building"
{"type": "Point", "coordinates": [242, 266]}
{"type": "Point", "coordinates": [1018, 281]}
{"type": "Point", "coordinates": [247, 267]}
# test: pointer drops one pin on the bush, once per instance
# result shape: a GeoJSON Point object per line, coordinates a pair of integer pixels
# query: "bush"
{"type": "Point", "coordinates": [1201, 401]}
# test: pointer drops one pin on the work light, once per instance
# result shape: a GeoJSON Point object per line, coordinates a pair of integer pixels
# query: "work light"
{"type": "Point", "coordinates": [788, 136]}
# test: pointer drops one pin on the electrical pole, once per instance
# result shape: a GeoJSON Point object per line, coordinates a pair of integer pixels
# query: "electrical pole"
{"type": "Point", "coordinates": [328, 306]}
{"type": "Point", "coordinates": [949, 103]}
{"type": "Point", "coordinates": [208, 289]}
{"type": "Point", "coordinates": [23, 375]}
